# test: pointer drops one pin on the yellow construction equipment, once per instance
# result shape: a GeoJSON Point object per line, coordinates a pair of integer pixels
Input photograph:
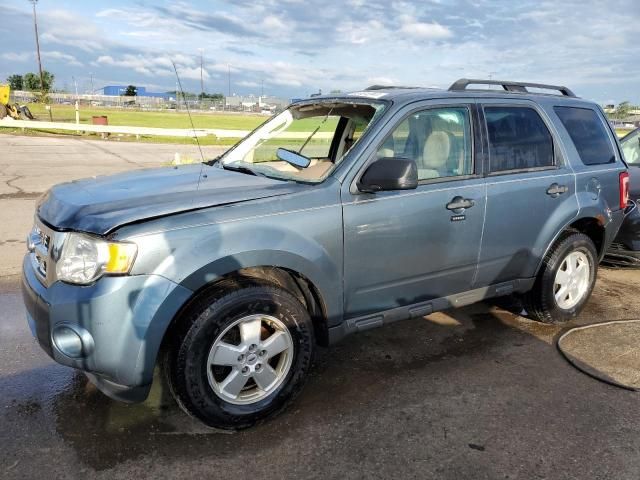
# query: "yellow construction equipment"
{"type": "Point", "coordinates": [14, 111]}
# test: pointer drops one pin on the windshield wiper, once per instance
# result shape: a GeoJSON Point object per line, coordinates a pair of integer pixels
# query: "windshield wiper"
{"type": "Point", "coordinates": [213, 161]}
{"type": "Point", "coordinates": [242, 170]}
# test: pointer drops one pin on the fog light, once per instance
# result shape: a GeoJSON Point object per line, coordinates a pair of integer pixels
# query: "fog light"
{"type": "Point", "coordinates": [71, 342]}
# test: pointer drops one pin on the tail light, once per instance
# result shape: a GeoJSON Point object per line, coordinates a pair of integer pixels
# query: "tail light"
{"type": "Point", "coordinates": [624, 190]}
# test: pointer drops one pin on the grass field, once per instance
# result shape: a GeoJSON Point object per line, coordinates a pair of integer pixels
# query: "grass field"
{"type": "Point", "coordinates": [165, 119]}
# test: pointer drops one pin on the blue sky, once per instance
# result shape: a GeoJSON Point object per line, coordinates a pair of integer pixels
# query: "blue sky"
{"type": "Point", "coordinates": [295, 47]}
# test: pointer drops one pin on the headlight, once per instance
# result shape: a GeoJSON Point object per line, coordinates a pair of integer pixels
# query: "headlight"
{"type": "Point", "coordinates": [84, 258]}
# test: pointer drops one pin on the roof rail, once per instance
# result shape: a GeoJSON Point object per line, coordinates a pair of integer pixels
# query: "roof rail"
{"type": "Point", "coordinates": [512, 87]}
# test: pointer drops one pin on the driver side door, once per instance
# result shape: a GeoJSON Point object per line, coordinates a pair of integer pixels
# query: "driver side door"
{"type": "Point", "coordinates": [402, 248]}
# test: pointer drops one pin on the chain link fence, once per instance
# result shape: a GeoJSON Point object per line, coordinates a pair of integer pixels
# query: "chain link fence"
{"type": "Point", "coordinates": [265, 105]}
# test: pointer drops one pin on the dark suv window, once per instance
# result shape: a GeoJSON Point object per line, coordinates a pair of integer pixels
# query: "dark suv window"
{"type": "Point", "coordinates": [518, 139]}
{"type": "Point", "coordinates": [588, 134]}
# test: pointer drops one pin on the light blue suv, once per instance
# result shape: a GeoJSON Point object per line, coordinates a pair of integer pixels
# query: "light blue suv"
{"type": "Point", "coordinates": [340, 214]}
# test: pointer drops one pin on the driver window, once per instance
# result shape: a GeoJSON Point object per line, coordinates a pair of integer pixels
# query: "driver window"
{"type": "Point", "coordinates": [438, 140]}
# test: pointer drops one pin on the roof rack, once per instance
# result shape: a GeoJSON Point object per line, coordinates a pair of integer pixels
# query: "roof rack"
{"type": "Point", "coordinates": [512, 87]}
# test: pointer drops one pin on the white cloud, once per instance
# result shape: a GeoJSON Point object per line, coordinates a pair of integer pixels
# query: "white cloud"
{"type": "Point", "coordinates": [245, 83]}
{"type": "Point", "coordinates": [16, 56]}
{"type": "Point", "coordinates": [62, 27]}
{"type": "Point", "coordinates": [423, 30]}
{"type": "Point", "coordinates": [273, 23]}
{"type": "Point", "coordinates": [382, 81]}
{"type": "Point", "coordinates": [360, 33]}
{"type": "Point", "coordinates": [193, 73]}
{"type": "Point", "coordinates": [63, 57]}
{"type": "Point", "coordinates": [150, 65]}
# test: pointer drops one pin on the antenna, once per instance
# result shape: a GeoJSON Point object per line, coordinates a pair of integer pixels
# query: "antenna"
{"type": "Point", "coordinates": [186, 104]}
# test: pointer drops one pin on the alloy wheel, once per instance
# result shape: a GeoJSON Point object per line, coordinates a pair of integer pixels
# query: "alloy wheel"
{"type": "Point", "coordinates": [250, 359]}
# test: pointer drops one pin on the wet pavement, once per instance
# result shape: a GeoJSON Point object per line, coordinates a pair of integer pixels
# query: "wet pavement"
{"type": "Point", "coordinates": [478, 392]}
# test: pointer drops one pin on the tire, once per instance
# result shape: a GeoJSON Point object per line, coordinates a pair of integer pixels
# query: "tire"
{"type": "Point", "coordinates": [26, 112]}
{"type": "Point", "coordinates": [3, 111]}
{"type": "Point", "coordinates": [547, 302]}
{"type": "Point", "coordinates": [200, 389]}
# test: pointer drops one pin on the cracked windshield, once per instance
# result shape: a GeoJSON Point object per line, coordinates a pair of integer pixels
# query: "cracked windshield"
{"type": "Point", "coordinates": [304, 142]}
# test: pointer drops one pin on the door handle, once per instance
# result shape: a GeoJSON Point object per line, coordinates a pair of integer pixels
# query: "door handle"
{"type": "Point", "coordinates": [459, 204]}
{"type": "Point", "coordinates": [555, 190]}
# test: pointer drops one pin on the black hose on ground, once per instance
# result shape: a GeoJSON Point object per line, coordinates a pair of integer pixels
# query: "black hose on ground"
{"type": "Point", "coordinates": [576, 364]}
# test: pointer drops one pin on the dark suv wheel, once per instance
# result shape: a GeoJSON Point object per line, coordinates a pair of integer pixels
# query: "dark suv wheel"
{"type": "Point", "coordinates": [565, 281]}
{"type": "Point", "coordinates": [240, 356]}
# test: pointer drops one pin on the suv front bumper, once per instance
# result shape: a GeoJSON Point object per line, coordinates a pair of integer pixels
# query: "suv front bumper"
{"type": "Point", "coordinates": [122, 319]}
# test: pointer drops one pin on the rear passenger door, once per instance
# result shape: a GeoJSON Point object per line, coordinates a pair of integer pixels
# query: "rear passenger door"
{"type": "Point", "coordinates": [530, 190]}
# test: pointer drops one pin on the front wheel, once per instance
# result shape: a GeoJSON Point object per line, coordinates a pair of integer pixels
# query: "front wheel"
{"type": "Point", "coordinates": [240, 357]}
{"type": "Point", "coordinates": [565, 281]}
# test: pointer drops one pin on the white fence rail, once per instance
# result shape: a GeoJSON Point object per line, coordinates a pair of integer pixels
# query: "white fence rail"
{"type": "Point", "coordinates": [146, 131]}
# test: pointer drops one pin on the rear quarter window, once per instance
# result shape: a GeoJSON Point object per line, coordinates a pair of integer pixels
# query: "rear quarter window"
{"type": "Point", "coordinates": [588, 133]}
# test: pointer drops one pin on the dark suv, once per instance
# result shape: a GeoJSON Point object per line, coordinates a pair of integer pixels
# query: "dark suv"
{"type": "Point", "coordinates": [625, 249]}
{"type": "Point", "coordinates": [340, 214]}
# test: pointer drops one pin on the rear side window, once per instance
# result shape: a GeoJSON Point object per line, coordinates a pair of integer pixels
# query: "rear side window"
{"type": "Point", "coordinates": [588, 134]}
{"type": "Point", "coordinates": [518, 139]}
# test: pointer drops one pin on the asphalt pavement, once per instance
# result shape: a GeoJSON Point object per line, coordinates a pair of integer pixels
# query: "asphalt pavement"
{"type": "Point", "coordinates": [479, 392]}
{"type": "Point", "coordinates": [31, 165]}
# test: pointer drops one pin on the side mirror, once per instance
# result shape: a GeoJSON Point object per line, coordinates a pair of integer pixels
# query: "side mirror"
{"type": "Point", "coordinates": [389, 174]}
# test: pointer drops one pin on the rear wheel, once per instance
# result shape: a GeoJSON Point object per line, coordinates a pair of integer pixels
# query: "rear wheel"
{"type": "Point", "coordinates": [240, 357]}
{"type": "Point", "coordinates": [3, 111]}
{"type": "Point", "coordinates": [565, 281]}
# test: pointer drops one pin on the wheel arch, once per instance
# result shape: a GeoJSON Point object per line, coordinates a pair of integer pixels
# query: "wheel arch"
{"type": "Point", "coordinates": [300, 285]}
{"type": "Point", "coordinates": [593, 227]}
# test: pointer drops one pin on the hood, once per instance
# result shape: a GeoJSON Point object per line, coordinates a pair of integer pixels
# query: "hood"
{"type": "Point", "coordinates": [100, 205]}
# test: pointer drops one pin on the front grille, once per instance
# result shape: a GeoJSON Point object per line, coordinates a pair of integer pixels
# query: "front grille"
{"type": "Point", "coordinates": [44, 239]}
{"type": "Point", "coordinates": [42, 242]}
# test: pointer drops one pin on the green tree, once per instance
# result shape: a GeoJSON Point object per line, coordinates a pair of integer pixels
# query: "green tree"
{"type": "Point", "coordinates": [31, 81]}
{"type": "Point", "coordinates": [15, 82]}
{"type": "Point", "coordinates": [622, 111]}
{"type": "Point", "coordinates": [210, 96]}
{"type": "Point", "coordinates": [131, 91]}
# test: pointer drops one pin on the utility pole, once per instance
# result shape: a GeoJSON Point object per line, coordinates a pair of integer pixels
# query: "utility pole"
{"type": "Point", "coordinates": [35, 27]}
{"type": "Point", "coordinates": [201, 75]}
{"type": "Point", "coordinates": [75, 83]}
{"type": "Point", "coordinates": [229, 79]}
